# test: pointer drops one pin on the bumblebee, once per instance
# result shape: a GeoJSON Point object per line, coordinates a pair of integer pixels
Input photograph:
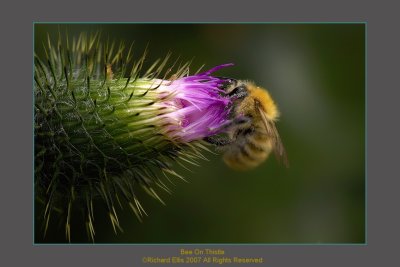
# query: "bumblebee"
{"type": "Point", "coordinates": [251, 134]}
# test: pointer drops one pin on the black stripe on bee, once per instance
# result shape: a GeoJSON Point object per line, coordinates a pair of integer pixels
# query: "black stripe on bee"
{"type": "Point", "coordinates": [244, 132]}
{"type": "Point", "coordinates": [245, 153]}
{"type": "Point", "coordinates": [254, 147]}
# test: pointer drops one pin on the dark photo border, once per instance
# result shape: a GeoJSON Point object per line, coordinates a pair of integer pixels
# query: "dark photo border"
{"type": "Point", "coordinates": [382, 130]}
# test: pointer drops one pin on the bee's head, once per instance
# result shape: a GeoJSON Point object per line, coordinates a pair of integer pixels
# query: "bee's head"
{"type": "Point", "coordinates": [236, 89]}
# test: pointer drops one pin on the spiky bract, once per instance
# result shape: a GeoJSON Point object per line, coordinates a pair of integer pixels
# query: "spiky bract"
{"type": "Point", "coordinates": [97, 129]}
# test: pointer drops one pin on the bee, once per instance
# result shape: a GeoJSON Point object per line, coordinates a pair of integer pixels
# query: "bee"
{"type": "Point", "coordinates": [251, 134]}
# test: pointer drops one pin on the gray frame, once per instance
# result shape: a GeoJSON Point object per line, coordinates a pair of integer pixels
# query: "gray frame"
{"type": "Point", "coordinates": [383, 43]}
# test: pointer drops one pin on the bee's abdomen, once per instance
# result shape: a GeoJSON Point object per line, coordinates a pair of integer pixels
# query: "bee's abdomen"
{"type": "Point", "coordinates": [249, 149]}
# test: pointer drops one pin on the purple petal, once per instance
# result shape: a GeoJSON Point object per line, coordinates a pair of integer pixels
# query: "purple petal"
{"type": "Point", "coordinates": [216, 68]}
{"type": "Point", "coordinates": [199, 106]}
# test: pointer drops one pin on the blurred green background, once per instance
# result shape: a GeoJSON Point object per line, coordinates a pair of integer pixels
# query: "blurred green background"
{"type": "Point", "coordinates": [316, 73]}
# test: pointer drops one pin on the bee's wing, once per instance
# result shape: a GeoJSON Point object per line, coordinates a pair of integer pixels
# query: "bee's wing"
{"type": "Point", "coordinates": [279, 149]}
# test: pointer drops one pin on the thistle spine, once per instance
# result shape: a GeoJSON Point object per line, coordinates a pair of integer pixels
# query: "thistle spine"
{"type": "Point", "coordinates": [94, 130]}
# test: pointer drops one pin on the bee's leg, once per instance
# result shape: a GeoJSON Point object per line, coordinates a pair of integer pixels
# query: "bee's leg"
{"type": "Point", "coordinates": [240, 121]}
{"type": "Point", "coordinates": [218, 140]}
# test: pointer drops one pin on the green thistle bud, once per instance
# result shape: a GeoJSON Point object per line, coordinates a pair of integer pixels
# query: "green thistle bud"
{"type": "Point", "coordinates": [103, 131]}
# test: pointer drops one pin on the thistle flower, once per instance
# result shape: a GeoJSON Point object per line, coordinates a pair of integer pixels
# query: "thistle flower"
{"type": "Point", "coordinates": [103, 132]}
{"type": "Point", "coordinates": [196, 108]}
